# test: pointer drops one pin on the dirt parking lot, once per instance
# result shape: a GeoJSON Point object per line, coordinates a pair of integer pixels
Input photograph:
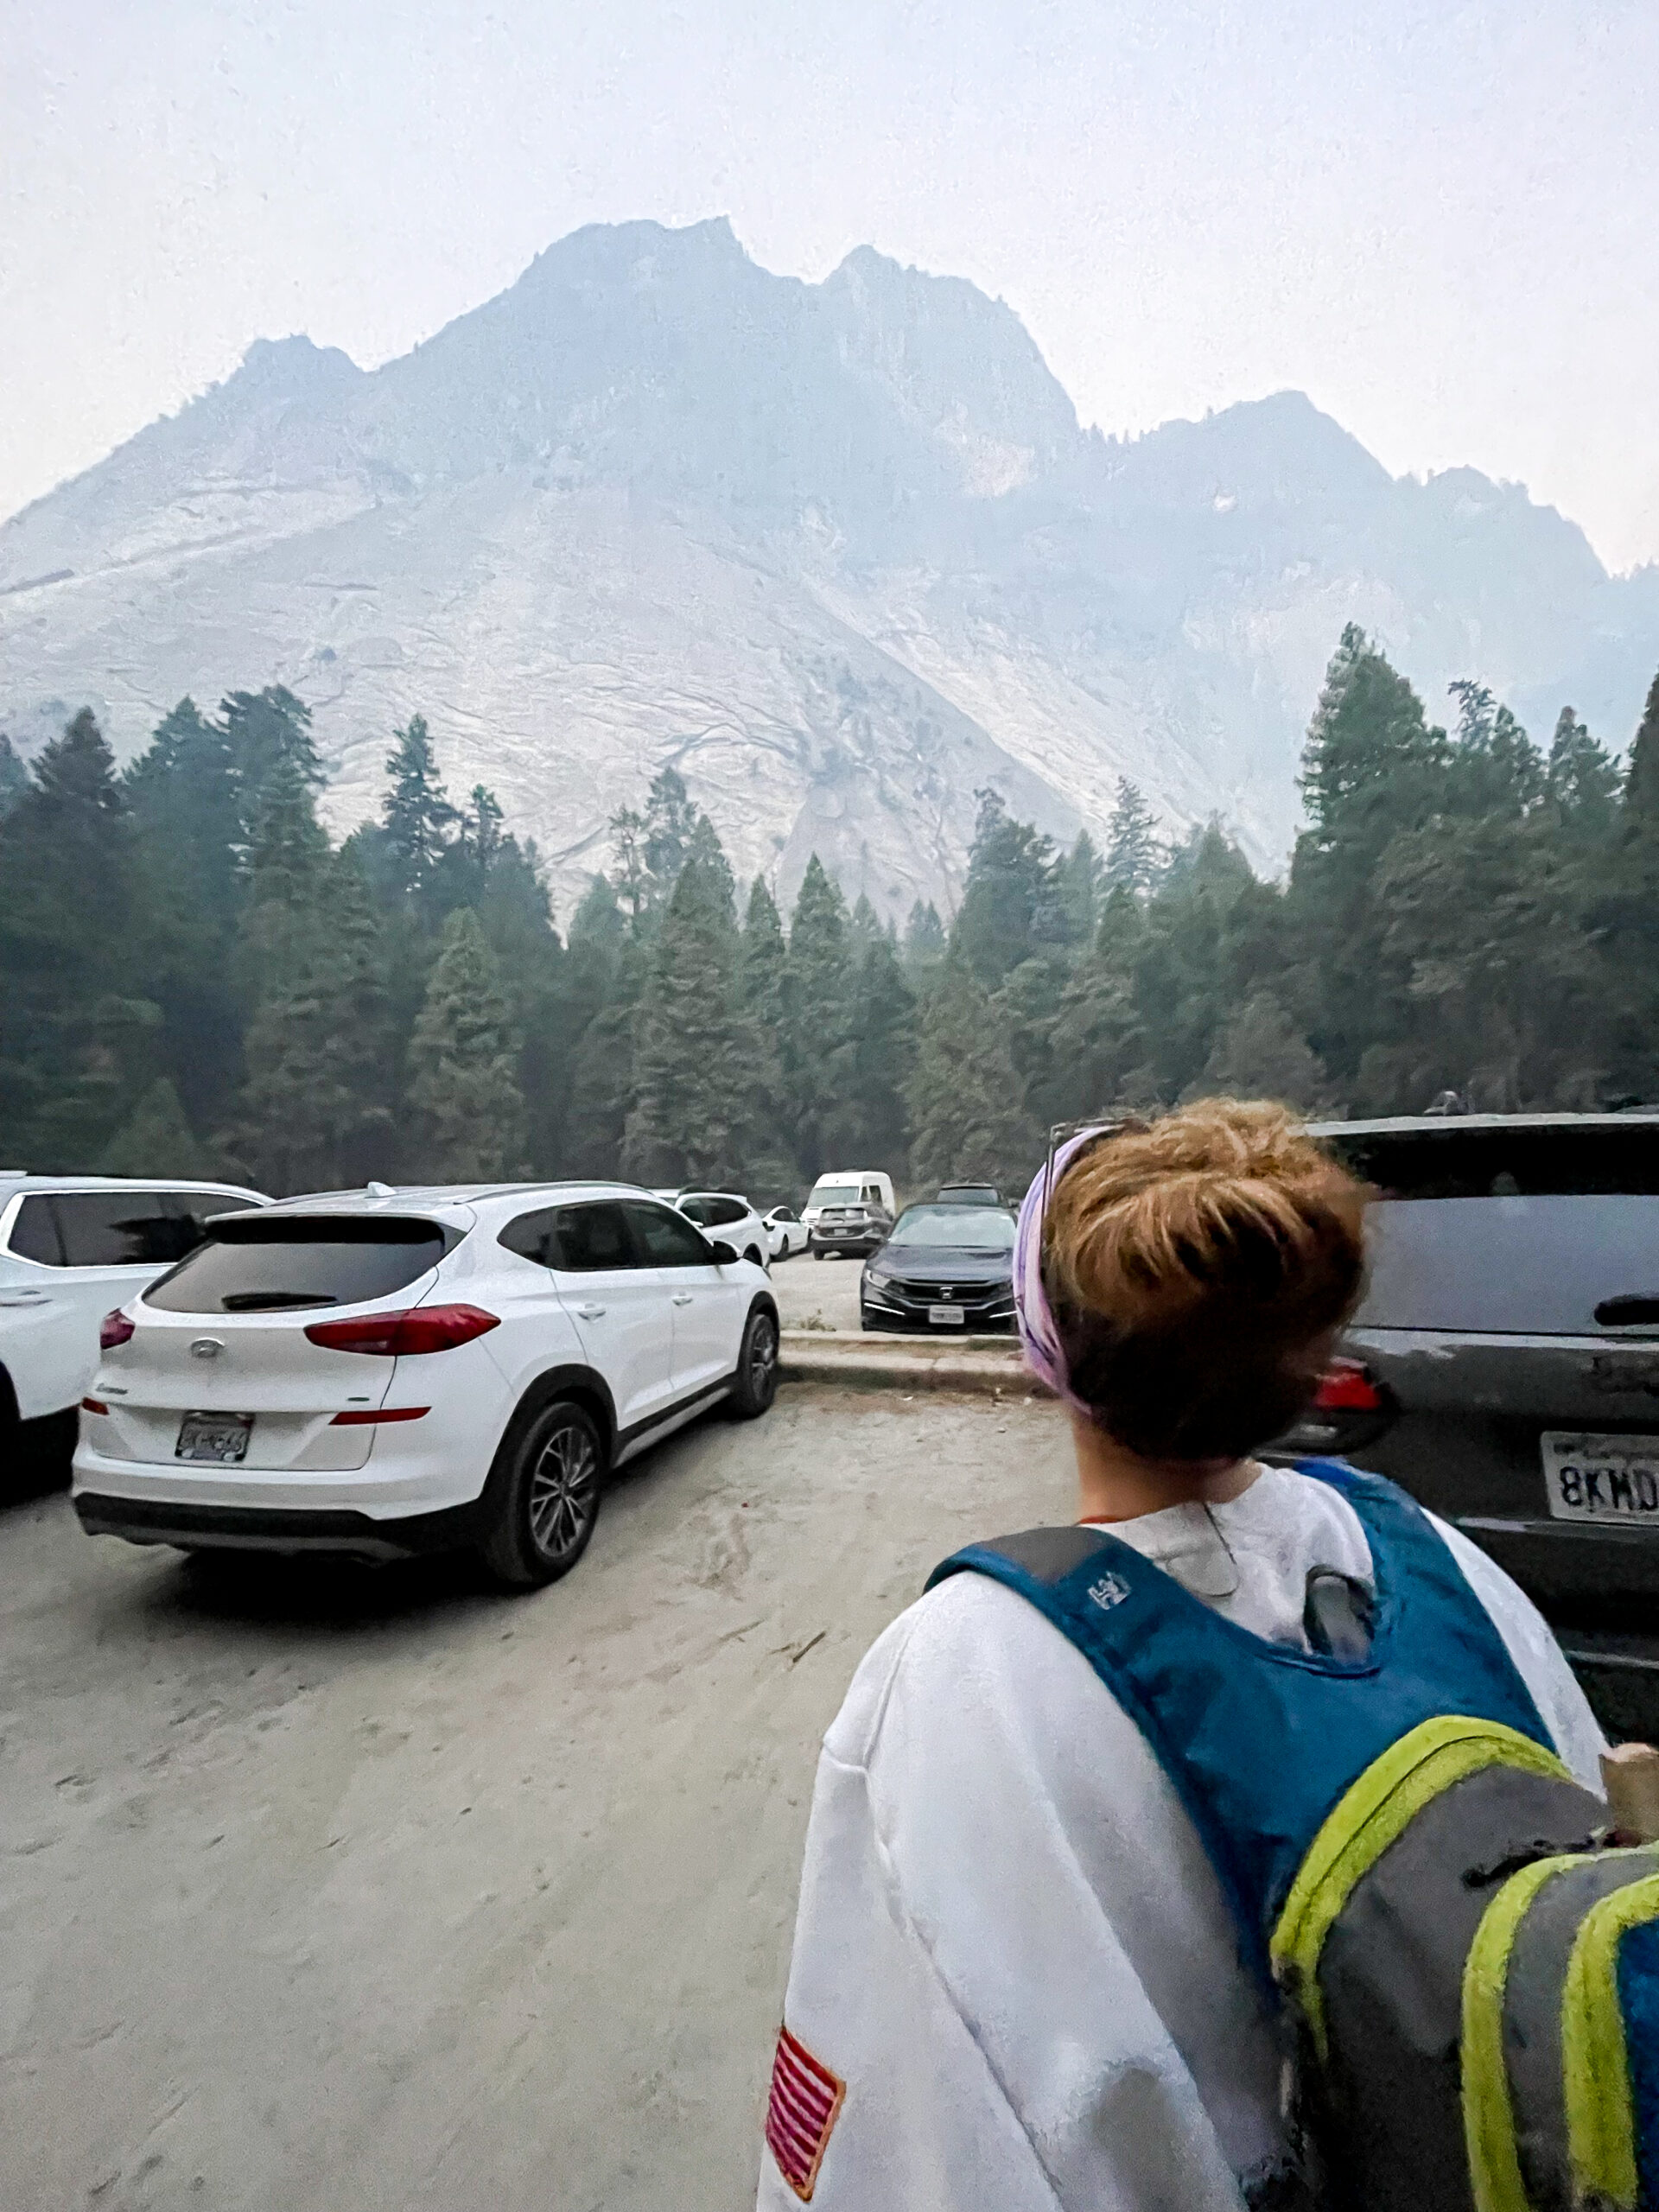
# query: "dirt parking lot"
{"type": "Point", "coordinates": [328, 1890]}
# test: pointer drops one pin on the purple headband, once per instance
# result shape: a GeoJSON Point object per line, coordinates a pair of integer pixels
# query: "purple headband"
{"type": "Point", "coordinates": [1039, 1338]}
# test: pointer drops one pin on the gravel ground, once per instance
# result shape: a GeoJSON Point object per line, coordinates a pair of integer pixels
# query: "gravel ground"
{"type": "Point", "coordinates": [817, 1293]}
{"type": "Point", "coordinates": [374, 1890]}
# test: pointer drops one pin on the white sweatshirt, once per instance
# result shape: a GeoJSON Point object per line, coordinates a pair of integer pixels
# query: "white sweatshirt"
{"type": "Point", "coordinates": [1011, 1952]}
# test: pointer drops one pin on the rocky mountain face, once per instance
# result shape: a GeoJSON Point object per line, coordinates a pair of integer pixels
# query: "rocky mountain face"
{"type": "Point", "coordinates": [840, 553]}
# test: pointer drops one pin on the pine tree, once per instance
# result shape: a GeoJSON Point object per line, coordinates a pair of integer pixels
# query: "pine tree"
{"type": "Point", "coordinates": [1626, 913]}
{"type": "Point", "coordinates": [269, 733]}
{"type": "Point", "coordinates": [287, 857]}
{"type": "Point", "coordinates": [463, 1089]}
{"type": "Point", "coordinates": [14, 776]}
{"type": "Point", "coordinates": [884, 1046]}
{"type": "Point", "coordinates": [1100, 1049]}
{"type": "Point", "coordinates": [670, 821]}
{"type": "Point", "coordinates": [76, 1035]}
{"type": "Point", "coordinates": [924, 945]}
{"type": "Point", "coordinates": [1261, 1054]}
{"type": "Point", "coordinates": [693, 1119]}
{"type": "Point", "coordinates": [1581, 783]}
{"type": "Point", "coordinates": [815, 1039]}
{"type": "Point", "coordinates": [313, 1113]}
{"type": "Point", "coordinates": [1081, 881]}
{"type": "Point", "coordinates": [419, 821]}
{"type": "Point", "coordinates": [965, 1111]}
{"type": "Point", "coordinates": [1372, 770]}
{"type": "Point", "coordinates": [184, 796]}
{"type": "Point", "coordinates": [156, 1139]}
{"type": "Point", "coordinates": [1012, 906]}
{"type": "Point", "coordinates": [1133, 856]}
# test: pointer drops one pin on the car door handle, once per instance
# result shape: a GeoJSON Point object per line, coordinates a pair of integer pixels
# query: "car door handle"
{"type": "Point", "coordinates": [682, 1298]}
{"type": "Point", "coordinates": [590, 1311]}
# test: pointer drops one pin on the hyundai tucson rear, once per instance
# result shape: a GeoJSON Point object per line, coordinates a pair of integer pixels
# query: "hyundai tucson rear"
{"type": "Point", "coordinates": [397, 1372]}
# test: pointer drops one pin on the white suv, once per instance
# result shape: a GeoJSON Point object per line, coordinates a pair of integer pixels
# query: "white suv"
{"type": "Point", "coordinates": [71, 1247]}
{"type": "Point", "coordinates": [391, 1372]}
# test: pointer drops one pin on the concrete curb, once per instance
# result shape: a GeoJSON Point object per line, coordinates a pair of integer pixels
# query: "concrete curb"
{"type": "Point", "coordinates": [990, 1365]}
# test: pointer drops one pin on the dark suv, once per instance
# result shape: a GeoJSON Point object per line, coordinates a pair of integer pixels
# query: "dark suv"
{"type": "Point", "coordinates": [1504, 1365]}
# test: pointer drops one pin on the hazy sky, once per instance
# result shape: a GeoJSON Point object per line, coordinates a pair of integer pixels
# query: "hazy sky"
{"type": "Point", "coordinates": [1442, 221]}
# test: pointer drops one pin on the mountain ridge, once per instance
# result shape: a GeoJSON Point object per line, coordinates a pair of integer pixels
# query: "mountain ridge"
{"type": "Point", "coordinates": [841, 551]}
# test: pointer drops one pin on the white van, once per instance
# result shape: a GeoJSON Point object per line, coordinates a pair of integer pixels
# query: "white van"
{"type": "Point", "coordinates": [848, 1187]}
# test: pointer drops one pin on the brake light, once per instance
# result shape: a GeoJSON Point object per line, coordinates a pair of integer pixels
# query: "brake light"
{"type": "Point", "coordinates": [93, 1406]}
{"type": "Point", "coordinates": [1346, 1387]}
{"type": "Point", "coordinates": [403, 1335]}
{"type": "Point", "coordinates": [114, 1329]}
{"type": "Point", "coordinates": [357, 1419]}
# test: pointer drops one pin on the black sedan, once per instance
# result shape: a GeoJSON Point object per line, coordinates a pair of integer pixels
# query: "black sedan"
{"type": "Point", "coordinates": [944, 1268]}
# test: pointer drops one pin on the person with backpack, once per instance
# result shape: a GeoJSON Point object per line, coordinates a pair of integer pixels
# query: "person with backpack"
{"type": "Point", "coordinates": [1241, 1844]}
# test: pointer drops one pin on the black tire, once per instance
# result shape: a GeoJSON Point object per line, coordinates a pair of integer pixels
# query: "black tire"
{"type": "Point", "coordinates": [756, 1366]}
{"type": "Point", "coordinates": [817, 1252]}
{"type": "Point", "coordinates": [543, 1497]}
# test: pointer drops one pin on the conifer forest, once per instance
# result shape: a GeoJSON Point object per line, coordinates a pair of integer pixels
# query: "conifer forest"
{"type": "Point", "coordinates": [195, 980]}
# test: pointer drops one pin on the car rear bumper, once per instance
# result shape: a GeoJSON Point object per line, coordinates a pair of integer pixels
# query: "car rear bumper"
{"type": "Point", "coordinates": [1561, 1562]}
{"type": "Point", "coordinates": [407, 1478]}
{"type": "Point", "coordinates": [272, 1529]}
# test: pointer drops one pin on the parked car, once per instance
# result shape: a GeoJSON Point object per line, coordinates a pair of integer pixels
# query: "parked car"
{"type": "Point", "coordinates": [723, 1214]}
{"type": "Point", "coordinates": [788, 1233]}
{"type": "Point", "coordinates": [848, 1187]}
{"type": "Point", "coordinates": [1504, 1365]}
{"type": "Point", "coordinates": [417, 1371]}
{"type": "Point", "coordinates": [945, 1269]}
{"type": "Point", "coordinates": [71, 1247]}
{"type": "Point", "coordinates": [856, 1228]}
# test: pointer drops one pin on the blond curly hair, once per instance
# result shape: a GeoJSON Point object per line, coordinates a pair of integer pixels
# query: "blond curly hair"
{"type": "Point", "coordinates": [1196, 1266]}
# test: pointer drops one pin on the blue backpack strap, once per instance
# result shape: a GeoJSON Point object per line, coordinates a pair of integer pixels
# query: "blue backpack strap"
{"type": "Point", "coordinates": [1260, 1741]}
{"type": "Point", "coordinates": [1104, 1598]}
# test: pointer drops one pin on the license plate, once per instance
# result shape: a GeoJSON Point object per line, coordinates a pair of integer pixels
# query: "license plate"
{"type": "Point", "coordinates": [947, 1314]}
{"type": "Point", "coordinates": [220, 1437]}
{"type": "Point", "coordinates": [1589, 1478]}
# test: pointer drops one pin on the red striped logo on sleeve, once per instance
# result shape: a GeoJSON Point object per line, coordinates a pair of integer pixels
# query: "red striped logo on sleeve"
{"type": "Point", "coordinates": [805, 2100]}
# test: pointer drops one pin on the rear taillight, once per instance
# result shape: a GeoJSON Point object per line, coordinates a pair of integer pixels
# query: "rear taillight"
{"type": "Point", "coordinates": [93, 1406]}
{"type": "Point", "coordinates": [114, 1329]}
{"type": "Point", "coordinates": [1346, 1387]}
{"type": "Point", "coordinates": [401, 1336]}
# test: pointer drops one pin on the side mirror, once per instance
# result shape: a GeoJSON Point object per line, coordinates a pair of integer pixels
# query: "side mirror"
{"type": "Point", "coordinates": [722, 1253]}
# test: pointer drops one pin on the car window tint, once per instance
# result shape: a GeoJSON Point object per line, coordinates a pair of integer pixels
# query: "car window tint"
{"type": "Point", "coordinates": [781, 1213]}
{"type": "Point", "coordinates": [35, 1232]}
{"type": "Point", "coordinates": [1518, 1266]}
{"type": "Point", "coordinates": [835, 1194]}
{"type": "Point", "coordinates": [589, 1238]}
{"type": "Point", "coordinates": [197, 1208]}
{"type": "Point", "coordinates": [1449, 1162]}
{"type": "Point", "coordinates": [666, 1239]}
{"type": "Point", "coordinates": [723, 1212]}
{"type": "Point", "coordinates": [534, 1235]}
{"type": "Point", "coordinates": [262, 1263]}
{"type": "Point", "coordinates": [120, 1228]}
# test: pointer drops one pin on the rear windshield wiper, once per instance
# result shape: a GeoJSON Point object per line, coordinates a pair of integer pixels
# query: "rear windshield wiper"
{"type": "Point", "coordinates": [270, 1301]}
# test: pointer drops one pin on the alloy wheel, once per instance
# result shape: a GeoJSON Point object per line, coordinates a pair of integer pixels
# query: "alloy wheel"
{"type": "Point", "coordinates": [563, 1487]}
{"type": "Point", "coordinates": [763, 1356]}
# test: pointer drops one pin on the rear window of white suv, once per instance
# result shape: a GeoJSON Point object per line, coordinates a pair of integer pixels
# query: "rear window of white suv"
{"type": "Point", "coordinates": [266, 1265]}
